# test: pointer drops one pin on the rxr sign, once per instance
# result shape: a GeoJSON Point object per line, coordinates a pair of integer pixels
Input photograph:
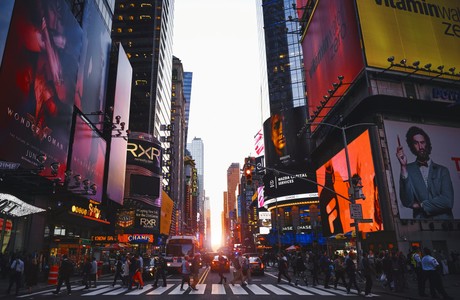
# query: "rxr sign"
{"type": "Point", "coordinates": [138, 151]}
{"type": "Point", "coordinates": [147, 222]}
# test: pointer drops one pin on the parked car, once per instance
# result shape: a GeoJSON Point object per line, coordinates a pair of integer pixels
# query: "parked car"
{"type": "Point", "coordinates": [215, 264]}
{"type": "Point", "coordinates": [252, 254]}
{"type": "Point", "coordinates": [256, 265]}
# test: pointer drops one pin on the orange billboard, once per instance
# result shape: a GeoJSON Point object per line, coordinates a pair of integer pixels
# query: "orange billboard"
{"type": "Point", "coordinates": [333, 175]}
{"type": "Point", "coordinates": [424, 31]}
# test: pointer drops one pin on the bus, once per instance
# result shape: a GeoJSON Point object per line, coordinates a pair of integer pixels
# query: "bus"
{"type": "Point", "coordinates": [177, 247]}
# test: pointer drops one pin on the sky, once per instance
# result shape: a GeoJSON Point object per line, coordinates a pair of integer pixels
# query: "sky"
{"type": "Point", "coordinates": [217, 41]}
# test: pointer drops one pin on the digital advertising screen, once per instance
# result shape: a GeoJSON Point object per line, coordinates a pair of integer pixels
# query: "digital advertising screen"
{"type": "Point", "coordinates": [88, 159]}
{"type": "Point", "coordinates": [331, 48]}
{"type": "Point", "coordinates": [6, 7]}
{"type": "Point", "coordinates": [333, 189]}
{"type": "Point", "coordinates": [410, 28]}
{"type": "Point", "coordinates": [94, 61]}
{"type": "Point", "coordinates": [37, 80]}
{"type": "Point", "coordinates": [426, 170]}
{"type": "Point", "coordinates": [284, 146]}
{"type": "Point", "coordinates": [143, 170]}
{"type": "Point", "coordinates": [121, 107]}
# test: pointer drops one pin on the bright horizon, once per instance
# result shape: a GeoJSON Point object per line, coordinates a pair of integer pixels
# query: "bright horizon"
{"type": "Point", "coordinates": [217, 41]}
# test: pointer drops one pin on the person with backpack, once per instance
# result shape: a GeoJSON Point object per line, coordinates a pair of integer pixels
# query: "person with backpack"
{"type": "Point", "coordinates": [283, 267]}
{"type": "Point", "coordinates": [185, 269]}
{"type": "Point", "coordinates": [245, 269]}
{"type": "Point", "coordinates": [65, 271]}
{"type": "Point", "coordinates": [326, 268]}
{"type": "Point", "coordinates": [238, 272]}
{"type": "Point", "coordinates": [160, 270]}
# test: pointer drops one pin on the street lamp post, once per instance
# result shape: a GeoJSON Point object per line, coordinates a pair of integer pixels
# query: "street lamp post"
{"type": "Point", "coordinates": [351, 190]}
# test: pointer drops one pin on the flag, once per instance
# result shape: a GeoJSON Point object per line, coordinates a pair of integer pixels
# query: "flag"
{"type": "Point", "coordinates": [260, 196]}
{"type": "Point", "coordinates": [259, 142]}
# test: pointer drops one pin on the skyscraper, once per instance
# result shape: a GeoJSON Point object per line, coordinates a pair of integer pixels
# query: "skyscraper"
{"type": "Point", "coordinates": [145, 30]}
{"type": "Point", "coordinates": [196, 148]}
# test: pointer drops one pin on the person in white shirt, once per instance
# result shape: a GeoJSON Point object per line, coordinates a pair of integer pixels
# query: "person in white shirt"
{"type": "Point", "coordinates": [16, 271]}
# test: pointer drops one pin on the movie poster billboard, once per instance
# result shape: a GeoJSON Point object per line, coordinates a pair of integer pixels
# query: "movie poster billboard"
{"type": "Point", "coordinates": [284, 139]}
{"type": "Point", "coordinates": [88, 158]}
{"type": "Point", "coordinates": [37, 80]}
{"type": "Point", "coordinates": [94, 61]}
{"type": "Point", "coordinates": [425, 163]}
{"type": "Point", "coordinates": [122, 98]}
{"type": "Point", "coordinates": [331, 48]}
{"type": "Point", "coordinates": [333, 189]}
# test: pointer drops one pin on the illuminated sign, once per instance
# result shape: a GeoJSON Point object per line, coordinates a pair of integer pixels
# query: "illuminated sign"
{"type": "Point", "coordinates": [409, 27]}
{"type": "Point", "coordinates": [135, 238]}
{"type": "Point", "coordinates": [92, 210]}
{"type": "Point", "coordinates": [103, 238]}
{"type": "Point", "coordinates": [13, 206]}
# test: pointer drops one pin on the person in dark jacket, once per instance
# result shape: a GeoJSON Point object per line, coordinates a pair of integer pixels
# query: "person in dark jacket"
{"type": "Point", "coordinates": [283, 267]}
{"type": "Point", "coordinates": [369, 272]}
{"type": "Point", "coordinates": [87, 273]}
{"type": "Point", "coordinates": [350, 269]}
{"type": "Point", "coordinates": [31, 271]}
{"type": "Point", "coordinates": [118, 272]}
{"type": "Point", "coordinates": [160, 270]}
{"type": "Point", "coordinates": [65, 271]}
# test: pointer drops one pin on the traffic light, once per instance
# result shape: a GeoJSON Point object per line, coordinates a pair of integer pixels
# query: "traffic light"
{"type": "Point", "coordinates": [248, 174]}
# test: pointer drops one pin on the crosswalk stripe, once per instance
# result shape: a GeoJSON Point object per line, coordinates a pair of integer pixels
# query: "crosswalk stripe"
{"type": "Point", "coordinates": [139, 291]}
{"type": "Point", "coordinates": [116, 291]}
{"type": "Point", "coordinates": [275, 289]}
{"type": "Point", "coordinates": [316, 290]}
{"type": "Point", "coordinates": [100, 290]}
{"type": "Point", "coordinates": [200, 287]}
{"type": "Point", "coordinates": [177, 290]}
{"type": "Point", "coordinates": [160, 290]}
{"type": "Point", "coordinates": [257, 290]}
{"type": "Point", "coordinates": [238, 289]}
{"type": "Point", "coordinates": [297, 291]}
{"type": "Point", "coordinates": [217, 289]}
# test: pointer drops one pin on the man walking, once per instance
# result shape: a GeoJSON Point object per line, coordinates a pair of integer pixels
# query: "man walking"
{"type": "Point", "coordinates": [17, 269]}
{"type": "Point", "coordinates": [160, 269]}
{"type": "Point", "coordinates": [65, 271]}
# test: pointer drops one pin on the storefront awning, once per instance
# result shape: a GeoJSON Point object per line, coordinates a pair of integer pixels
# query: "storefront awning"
{"type": "Point", "coordinates": [14, 207]}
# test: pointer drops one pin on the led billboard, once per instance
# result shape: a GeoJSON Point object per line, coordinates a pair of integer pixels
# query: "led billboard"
{"type": "Point", "coordinates": [334, 204]}
{"type": "Point", "coordinates": [431, 191]}
{"type": "Point", "coordinates": [88, 159]}
{"type": "Point", "coordinates": [331, 47]}
{"type": "Point", "coordinates": [143, 170]}
{"type": "Point", "coordinates": [284, 146]}
{"type": "Point", "coordinates": [121, 103]}
{"type": "Point", "coordinates": [6, 7]}
{"type": "Point", "coordinates": [37, 80]}
{"type": "Point", "coordinates": [406, 29]}
{"type": "Point", "coordinates": [93, 67]}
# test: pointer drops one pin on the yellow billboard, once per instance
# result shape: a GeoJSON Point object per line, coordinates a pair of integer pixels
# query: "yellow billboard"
{"type": "Point", "coordinates": [416, 30]}
{"type": "Point", "coordinates": [167, 205]}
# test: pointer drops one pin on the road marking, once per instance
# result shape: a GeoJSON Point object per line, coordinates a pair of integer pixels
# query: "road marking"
{"type": "Point", "coordinates": [217, 289]}
{"type": "Point", "coordinates": [160, 290]}
{"type": "Point", "coordinates": [290, 288]}
{"type": "Point", "coordinates": [257, 290]}
{"type": "Point", "coordinates": [238, 289]}
{"type": "Point", "coordinates": [275, 289]}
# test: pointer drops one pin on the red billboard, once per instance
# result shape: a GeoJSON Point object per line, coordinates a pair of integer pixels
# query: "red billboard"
{"type": "Point", "coordinates": [334, 208]}
{"type": "Point", "coordinates": [425, 162]}
{"type": "Point", "coordinates": [118, 146]}
{"type": "Point", "coordinates": [37, 80]}
{"type": "Point", "coordinates": [88, 158]}
{"type": "Point", "coordinates": [331, 48]}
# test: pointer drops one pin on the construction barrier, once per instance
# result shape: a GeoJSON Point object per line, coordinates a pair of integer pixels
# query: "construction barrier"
{"type": "Point", "coordinates": [53, 275]}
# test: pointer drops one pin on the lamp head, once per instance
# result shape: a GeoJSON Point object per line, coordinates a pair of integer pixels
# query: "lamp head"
{"type": "Point", "coordinates": [340, 77]}
{"type": "Point", "coordinates": [427, 66]}
{"type": "Point", "coordinates": [403, 61]}
{"type": "Point", "coordinates": [326, 97]}
{"type": "Point", "coordinates": [416, 63]}
{"type": "Point", "coordinates": [391, 59]}
{"type": "Point", "coordinates": [335, 85]}
{"type": "Point", "coordinates": [441, 68]}
{"type": "Point", "coordinates": [452, 70]}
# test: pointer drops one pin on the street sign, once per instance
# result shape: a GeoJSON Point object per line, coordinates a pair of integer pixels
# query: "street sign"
{"type": "Point", "coordinates": [356, 211]}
